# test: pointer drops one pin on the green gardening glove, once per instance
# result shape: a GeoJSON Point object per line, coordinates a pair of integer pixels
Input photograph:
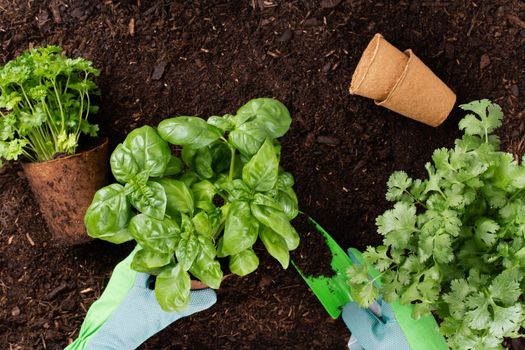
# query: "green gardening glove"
{"type": "Point", "coordinates": [128, 313]}
{"type": "Point", "coordinates": [385, 326]}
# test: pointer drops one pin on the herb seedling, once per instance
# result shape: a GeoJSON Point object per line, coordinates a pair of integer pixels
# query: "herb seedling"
{"type": "Point", "coordinates": [226, 192]}
{"type": "Point", "coordinates": [454, 243]}
{"type": "Point", "coordinates": [44, 104]}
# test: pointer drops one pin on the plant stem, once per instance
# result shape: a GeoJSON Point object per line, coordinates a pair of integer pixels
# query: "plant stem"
{"type": "Point", "coordinates": [232, 163]}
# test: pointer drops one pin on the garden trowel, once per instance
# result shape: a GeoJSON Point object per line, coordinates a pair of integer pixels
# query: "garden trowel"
{"type": "Point", "coordinates": [333, 292]}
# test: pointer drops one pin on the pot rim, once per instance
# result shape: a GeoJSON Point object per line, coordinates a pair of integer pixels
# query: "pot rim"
{"type": "Point", "coordinates": [101, 142]}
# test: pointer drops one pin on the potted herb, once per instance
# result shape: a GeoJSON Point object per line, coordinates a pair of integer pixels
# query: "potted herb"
{"type": "Point", "coordinates": [454, 243]}
{"type": "Point", "coordinates": [224, 192]}
{"type": "Point", "coordinates": [45, 102]}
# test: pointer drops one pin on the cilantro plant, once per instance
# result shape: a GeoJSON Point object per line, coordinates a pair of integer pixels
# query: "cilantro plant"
{"type": "Point", "coordinates": [454, 243]}
{"type": "Point", "coordinates": [224, 192]}
{"type": "Point", "coordinates": [44, 104]}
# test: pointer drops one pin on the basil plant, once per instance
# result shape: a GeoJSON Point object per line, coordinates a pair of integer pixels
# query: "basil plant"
{"type": "Point", "coordinates": [224, 192]}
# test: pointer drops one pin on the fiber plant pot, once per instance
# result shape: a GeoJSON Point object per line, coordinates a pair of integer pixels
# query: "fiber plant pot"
{"type": "Point", "coordinates": [413, 91]}
{"type": "Point", "coordinates": [64, 188]}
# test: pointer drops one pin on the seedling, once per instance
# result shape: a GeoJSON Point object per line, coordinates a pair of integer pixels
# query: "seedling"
{"type": "Point", "coordinates": [44, 104]}
{"type": "Point", "coordinates": [454, 242]}
{"type": "Point", "coordinates": [226, 191]}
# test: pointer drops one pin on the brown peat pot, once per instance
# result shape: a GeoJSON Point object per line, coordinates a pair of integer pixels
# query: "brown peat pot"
{"type": "Point", "coordinates": [401, 82]}
{"type": "Point", "coordinates": [64, 188]}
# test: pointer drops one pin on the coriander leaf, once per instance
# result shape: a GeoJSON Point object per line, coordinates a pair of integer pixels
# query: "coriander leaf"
{"type": "Point", "coordinates": [398, 184]}
{"type": "Point", "coordinates": [398, 224]}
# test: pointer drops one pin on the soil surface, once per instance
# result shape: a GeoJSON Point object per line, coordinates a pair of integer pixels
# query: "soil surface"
{"type": "Point", "coordinates": [313, 256]}
{"type": "Point", "coordinates": [163, 58]}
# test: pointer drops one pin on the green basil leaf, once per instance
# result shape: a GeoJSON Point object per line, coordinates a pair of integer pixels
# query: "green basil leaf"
{"type": "Point", "coordinates": [285, 180]}
{"type": "Point", "coordinates": [187, 250]}
{"type": "Point", "coordinates": [269, 213]}
{"type": "Point", "coordinates": [151, 153]}
{"type": "Point", "coordinates": [123, 165]}
{"type": "Point", "coordinates": [108, 215]}
{"type": "Point", "coordinates": [172, 288]}
{"type": "Point", "coordinates": [192, 132]}
{"type": "Point", "coordinates": [160, 236]}
{"type": "Point", "coordinates": [248, 138]}
{"type": "Point", "coordinates": [149, 198]}
{"type": "Point", "coordinates": [202, 224]}
{"type": "Point", "coordinates": [221, 155]}
{"type": "Point", "coordinates": [221, 123]}
{"type": "Point", "coordinates": [189, 178]}
{"type": "Point", "coordinates": [220, 252]}
{"type": "Point", "coordinates": [174, 166]}
{"type": "Point", "coordinates": [205, 267]}
{"type": "Point", "coordinates": [271, 114]}
{"type": "Point", "coordinates": [241, 230]}
{"type": "Point", "coordinates": [203, 162]}
{"type": "Point", "coordinates": [288, 200]}
{"type": "Point", "coordinates": [276, 246]}
{"type": "Point", "coordinates": [203, 193]}
{"type": "Point", "coordinates": [150, 261]}
{"type": "Point", "coordinates": [188, 157]}
{"type": "Point", "coordinates": [236, 189]}
{"type": "Point", "coordinates": [244, 262]}
{"type": "Point", "coordinates": [261, 172]}
{"type": "Point", "coordinates": [178, 196]}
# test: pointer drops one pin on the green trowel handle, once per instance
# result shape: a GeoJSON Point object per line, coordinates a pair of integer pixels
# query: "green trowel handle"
{"type": "Point", "coordinates": [333, 292]}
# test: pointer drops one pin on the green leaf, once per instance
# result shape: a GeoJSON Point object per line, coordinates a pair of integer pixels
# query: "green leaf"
{"type": "Point", "coordinates": [241, 229]}
{"type": "Point", "coordinates": [192, 132]}
{"type": "Point", "coordinates": [398, 184]}
{"type": "Point", "coordinates": [269, 113]}
{"type": "Point", "coordinates": [179, 198]}
{"type": "Point", "coordinates": [244, 263]}
{"type": "Point", "coordinates": [489, 114]}
{"type": "Point", "coordinates": [397, 224]}
{"type": "Point", "coordinates": [151, 153]}
{"type": "Point", "coordinates": [149, 261]}
{"type": "Point", "coordinates": [203, 193]}
{"type": "Point", "coordinates": [123, 165]}
{"type": "Point", "coordinates": [288, 200]}
{"type": "Point", "coordinates": [207, 269]}
{"type": "Point", "coordinates": [172, 288]}
{"type": "Point", "coordinates": [505, 288]}
{"type": "Point", "coordinates": [268, 212]}
{"type": "Point", "coordinates": [260, 173]}
{"type": "Point", "coordinates": [221, 122]}
{"type": "Point", "coordinates": [507, 320]}
{"type": "Point", "coordinates": [203, 162]}
{"type": "Point", "coordinates": [159, 236]}
{"type": "Point", "coordinates": [248, 138]}
{"type": "Point", "coordinates": [174, 166]}
{"type": "Point", "coordinates": [486, 231]}
{"type": "Point", "coordinates": [276, 246]}
{"type": "Point", "coordinates": [149, 198]}
{"type": "Point", "coordinates": [187, 249]}
{"type": "Point", "coordinates": [108, 215]}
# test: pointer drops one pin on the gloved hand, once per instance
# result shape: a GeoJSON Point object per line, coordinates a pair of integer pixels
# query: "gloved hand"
{"type": "Point", "coordinates": [127, 313]}
{"type": "Point", "coordinates": [395, 329]}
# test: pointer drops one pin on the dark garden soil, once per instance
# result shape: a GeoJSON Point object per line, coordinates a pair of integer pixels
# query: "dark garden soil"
{"type": "Point", "coordinates": [161, 58]}
{"type": "Point", "coordinates": [312, 257]}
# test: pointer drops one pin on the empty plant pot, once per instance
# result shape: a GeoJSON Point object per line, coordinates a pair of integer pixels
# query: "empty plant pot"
{"type": "Point", "coordinates": [401, 82]}
{"type": "Point", "coordinates": [419, 94]}
{"type": "Point", "coordinates": [64, 188]}
{"type": "Point", "coordinates": [378, 70]}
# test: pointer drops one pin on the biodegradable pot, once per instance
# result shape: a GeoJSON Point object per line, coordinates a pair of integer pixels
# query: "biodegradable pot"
{"type": "Point", "coordinates": [196, 284]}
{"type": "Point", "coordinates": [419, 94]}
{"type": "Point", "coordinates": [402, 83]}
{"type": "Point", "coordinates": [378, 70]}
{"type": "Point", "coordinates": [64, 188]}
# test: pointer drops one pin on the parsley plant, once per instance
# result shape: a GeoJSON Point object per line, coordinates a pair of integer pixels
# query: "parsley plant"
{"type": "Point", "coordinates": [44, 104]}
